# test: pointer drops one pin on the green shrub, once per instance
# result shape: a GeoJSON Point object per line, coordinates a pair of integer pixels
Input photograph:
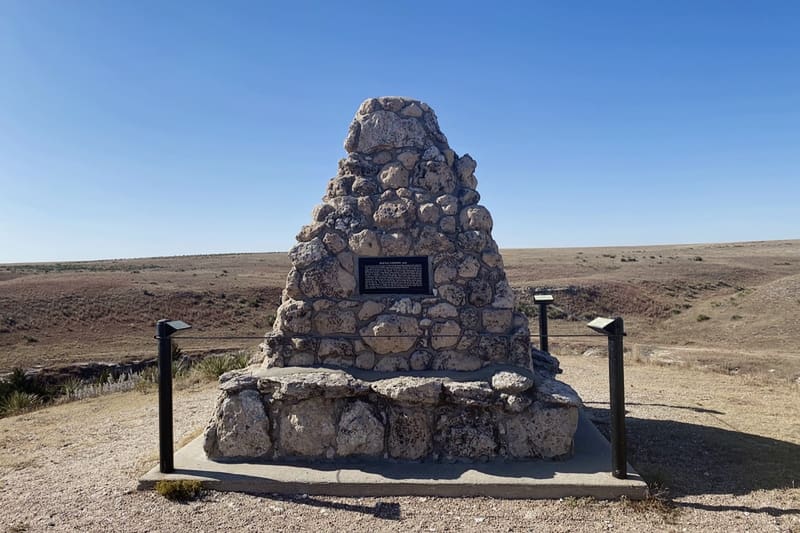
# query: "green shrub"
{"type": "Point", "coordinates": [179, 490]}
{"type": "Point", "coordinates": [213, 367]}
{"type": "Point", "coordinates": [20, 402]}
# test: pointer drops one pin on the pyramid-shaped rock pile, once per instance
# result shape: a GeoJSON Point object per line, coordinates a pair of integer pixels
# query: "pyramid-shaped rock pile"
{"type": "Point", "coordinates": [396, 335]}
{"type": "Point", "coordinates": [401, 191]}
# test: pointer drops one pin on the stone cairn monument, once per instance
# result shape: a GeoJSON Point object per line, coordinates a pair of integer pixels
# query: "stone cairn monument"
{"type": "Point", "coordinates": [396, 338]}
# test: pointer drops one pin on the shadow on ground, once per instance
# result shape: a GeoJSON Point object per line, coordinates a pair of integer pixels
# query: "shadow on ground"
{"type": "Point", "coordinates": [690, 459]}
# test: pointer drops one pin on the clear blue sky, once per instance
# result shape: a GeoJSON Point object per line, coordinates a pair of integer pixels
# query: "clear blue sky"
{"type": "Point", "coordinates": [218, 124]}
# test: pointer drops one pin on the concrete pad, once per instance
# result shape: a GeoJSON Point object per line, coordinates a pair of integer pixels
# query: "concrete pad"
{"type": "Point", "coordinates": [587, 473]}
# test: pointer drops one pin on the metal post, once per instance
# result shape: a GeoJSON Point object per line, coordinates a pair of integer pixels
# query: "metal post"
{"type": "Point", "coordinates": [543, 327]}
{"type": "Point", "coordinates": [163, 334]}
{"type": "Point", "coordinates": [616, 378]}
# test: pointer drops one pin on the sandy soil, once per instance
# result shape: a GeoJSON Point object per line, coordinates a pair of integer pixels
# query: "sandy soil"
{"type": "Point", "coordinates": [725, 448]}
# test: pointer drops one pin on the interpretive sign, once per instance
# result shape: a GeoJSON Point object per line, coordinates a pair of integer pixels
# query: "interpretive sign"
{"type": "Point", "coordinates": [393, 275]}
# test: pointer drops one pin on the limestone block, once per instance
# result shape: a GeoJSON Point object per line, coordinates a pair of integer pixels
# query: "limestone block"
{"type": "Point", "coordinates": [554, 392]}
{"type": "Point", "coordinates": [448, 224]}
{"type": "Point", "coordinates": [334, 348]}
{"type": "Point", "coordinates": [455, 360]}
{"type": "Point", "coordinates": [493, 260]}
{"type": "Point", "coordinates": [452, 293]}
{"type": "Point", "coordinates": [541, 431]}
{"type": "Point", "coordinates": [382, 157]}
{"type": "Point", "coordinates": [241, 428]}
{"type": "Point", "coordinates": [365, 207]}
{"type": "Point", "coordinates": [503, 295]}
{"type": "Point", "coordinates": [394, 244]}
{"type": "Point", "coordinates": [472, 240]}
{"type": "Point", "coordinates": [470, 318]}
{"type": "Point", "coordinates": [339, 186]}
{"type": "Point", "coordinates": [419, 360]}
{"type": "Point", "coordinates": [469, 267]}
{"type": "Point", "coordinates": [432, 153]}
{"type": "Point", "coordinates": [438, 178]}
{"type": "Point", "coordinates": [335, 321]}
{"type": "Point", "coordinates": [429, 213]}
{"type": "Point", "coordinates": [369, 309]}
{"type": "Point", "coordinates": [471, 393]}
{"type": "Point", "coordinates": [497, 320]}
{"type": "Point", "coordinates": [383, 130]}
{"type": "Point", "coordinates": [304, 254]}
{"type": "Point", "coordinates": [294, 316]}
{"type": "Point", "coordinates": [334, 242]}
{"type": "Point", "coordinates": [406, 306]}
{"type": "Point", "coordinates": [442, 310]}
{"type": "Point", "coordinates": [392, 103]}
{"type": "Point", "coordinates": [307, 429]}
{"type": "Point", "coordinates": [476, 218]}
{"type": "Point", "coordinates": [351, 141]}
{"type": "Point", "coordinates": [394, 176]}
{"type": "Point", "coordinates": [360, 431]}
{"type": "Point", "coordinates": [511, 382]}
{"type": "Point", "coordinates": [292, 289]}
{"type": "Point", "coordinates": [391, 334]}
{"type": "Point", "coordinates": [364, 187]}
{"type": "Point", "coordinates": [409, 389]}
{"type": "Point", "coordinates": [468, 434]}
{"type": "Point", "coordinates": [469, 196]}
{"type": "Point", "coordinates": [365, 243]}
{"type": "Point", "coordinates": [493, 348]}
{"type": "Point", "coordinates": [395, 215]}
{"type": "Point", "coordinates": [411, 110]}
{"type": "Point", "coordinates": [347, 261]}
{"type": "Point", "coordinates": [465, 166]}
{"type": "Point", "coordinates": [480, 292]}
{"type": "Point", "coordinates": [321, 212]}
{"type": "Point", "coordinates": [444, 273]}
{"type": "Point", "coordinates": [408, 159]}
{"type": "Point", "coordinates": [327, 279]}
{"type": "Point", "coordinates": [409, 433]}
{"type": "Point", "coordinates": [310, 231]}
{"type": "Point", "coordinates": [445, 334]}
{"type": "Point", "coordinates": [448, 203]}
{"type": "Point", "coordinates": [368, 106]}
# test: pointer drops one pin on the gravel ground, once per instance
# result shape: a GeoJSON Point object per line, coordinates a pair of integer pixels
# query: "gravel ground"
{"type": "Point", "coordinates": [74, 467]}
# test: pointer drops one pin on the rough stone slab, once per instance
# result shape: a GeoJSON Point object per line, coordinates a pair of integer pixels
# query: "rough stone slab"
{"type": "Point", "coordinates": [587, 473]}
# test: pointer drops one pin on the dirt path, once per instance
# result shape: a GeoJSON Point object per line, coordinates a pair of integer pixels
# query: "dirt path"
{"type": "Point", "coordinates": [727, 447]}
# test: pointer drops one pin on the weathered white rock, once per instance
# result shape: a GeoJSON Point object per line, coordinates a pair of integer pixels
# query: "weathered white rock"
{"type": "Point", "coordinates": [438, 178]}
{"type": "Point", "coordinates": [429, 213]}
{"type": "Point", "coordinates": [468, 434]}
{"type": "Point", "coordinates": [409, 433]}
{"type": "Point", "coordinates": [360, 431]}
{"type": "Point", "coordinates": [334, 321]}
{"type": "Point", "coordinates": [541, 431]}
{"type": "Point", "coordinates": [304, 254]}
{"type": "Point", "coordinates": [394, 244]}
{"type": "Point", "coordinates": [443, 310]}
{"type": "Point", "coordinates": [410, 389]}
{"type": "Point", "coordinates": [391, 333]}
{"type": "Point", "coordinates": [294, 316]}
{"type": "Point", "coordinates": [406, 306]}
{"type": "Point", "coordinates": [240, 429]}
{"type": "Point", "coordinates": [334, 242]}
{"type": "Point", "coordinates": [497, 320]}
{"type": "Point", "coordinates": [327, 278]}
{"type": "Point", "coordinates": [385, 130]}
{"type": "Point", "coordinates": [511, 382]}
{"type": "Point", "coordinates": [369, 309]}
{"type": "Point", "coordinates": [365, 243]}
{"type": "Point", "coordinates": [307, 429]}
{"type": "Point", "coordinates": [394, 176]}
{"type": "Point", "coordinates": [469, 267]}
{"type": "Point", "coordinates": [472, 393]}
{"type": "Point", "coordinates": [445, 334]}
{"type": "Point", "coordinates": [408, 159]}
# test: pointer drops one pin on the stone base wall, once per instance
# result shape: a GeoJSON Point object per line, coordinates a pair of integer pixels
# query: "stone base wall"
{"type": "Point", "coordinates": [298, 413]}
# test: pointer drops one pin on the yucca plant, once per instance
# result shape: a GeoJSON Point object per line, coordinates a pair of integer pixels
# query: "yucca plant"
{"type": "Point", "coordinates": [20, 402]}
